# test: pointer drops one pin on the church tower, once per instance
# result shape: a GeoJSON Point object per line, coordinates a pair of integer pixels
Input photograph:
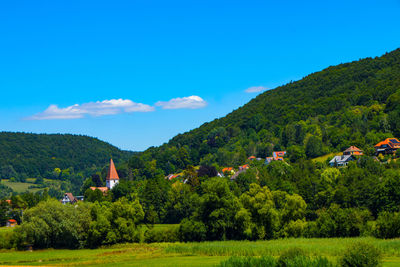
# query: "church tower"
{"type": "Point", "coordinates": [112, 176]}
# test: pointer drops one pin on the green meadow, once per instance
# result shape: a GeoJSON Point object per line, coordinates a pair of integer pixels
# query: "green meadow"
{"type": "Point", "coordinates": [195, 254]}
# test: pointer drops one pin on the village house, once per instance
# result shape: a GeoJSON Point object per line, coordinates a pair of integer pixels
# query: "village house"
{"type": "Point", "coordinates": [339, 161]}
{"type": "Point", "coordinates": [228, 171]}
{"type": "Point", "coordinates": [388, 146]}
{"type": "Point", "coordinates": [68, 198]}
{"type": "Point", "coordinates": [276, 155]}
{"type": "Point", "coordinates": [11, 223]}
{"type": "Point", "coordinates": [355, 151]}
{"type": "Point", "coordinates": [244, 167]}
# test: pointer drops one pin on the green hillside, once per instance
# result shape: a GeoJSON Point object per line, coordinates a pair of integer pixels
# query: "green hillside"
{"type": "Point", "coordinates": [34, 155]}
{"type": "Point", "coordinates": [356, 103]}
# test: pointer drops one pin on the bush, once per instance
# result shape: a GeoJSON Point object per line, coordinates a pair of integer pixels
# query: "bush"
{"type": "Point", "coordinates": [191, 230]}
{"type": "Point", "coordinates": [361, 254]}
{"type": "Point", "coordinates": [157, 235]}
{"type": "Point", "coordinates": [388, 225]}
{"type": "Point", "coordinates": [6, 239]}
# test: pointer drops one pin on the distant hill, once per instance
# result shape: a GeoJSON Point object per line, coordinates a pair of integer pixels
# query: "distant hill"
{"type": "Point", "coordinates": [35, 155]}
{"type": "Point", "coordinates": [355, 103]}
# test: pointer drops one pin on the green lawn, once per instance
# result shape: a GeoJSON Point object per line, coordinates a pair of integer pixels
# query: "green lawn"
{"type": "Point", "coordinates": [327, 156]}
{"type": "Point", "coordinates": [19, 187]}
{"type": "Point", "coordinates": [194, 254]}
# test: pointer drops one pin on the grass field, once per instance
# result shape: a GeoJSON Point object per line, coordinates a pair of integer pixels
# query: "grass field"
{"type": "Point", "coordinates": [327, 156]}
{"type": "Point", "coordinates": [19, 187]}
{"type": "Point", "coordinates": [194, 254]}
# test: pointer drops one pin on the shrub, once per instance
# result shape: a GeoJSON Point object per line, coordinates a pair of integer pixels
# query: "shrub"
{"type": "Point", "coordinates": [361, 254]}
{"type": "Point", "coordinates": [161, 235]}
{"type": "Point", "coordinates": [191, 230]}
{"type": "Point", "coordinates": [388, 225]}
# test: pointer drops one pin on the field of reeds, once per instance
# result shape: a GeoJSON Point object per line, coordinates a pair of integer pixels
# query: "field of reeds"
{"type": "Point", "coordinates": [197, 254]}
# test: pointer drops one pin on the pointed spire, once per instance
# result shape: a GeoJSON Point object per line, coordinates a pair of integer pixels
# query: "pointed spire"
{"type": "Point", "coordinates": [112, 172]}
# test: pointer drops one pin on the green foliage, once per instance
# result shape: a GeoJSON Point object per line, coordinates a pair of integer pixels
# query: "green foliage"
{"type": "Point", "coordinates": [158, 235]}
{"type": "Point", "coordinates": [388, 225]}
{"type": "Point", "coordinates": [51, 224]}
{"type": "Point", "coordinates": [191, 230]}
{"type": "Point", "coordinates": [38, 155]}
{"type": "Point", "coordinates": [361, 254]}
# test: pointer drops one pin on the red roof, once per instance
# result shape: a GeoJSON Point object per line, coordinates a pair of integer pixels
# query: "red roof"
{"type": "Point", "coordinates": [12, 221]}
{"type": "Point", "coordinates": [353, 148]}
{"type": "Point", "coordinates": [70, 197]}
{"type": "Point", "coordinates": [102, 189]}
{"type": "Point", "coordinates": [252, 157]}
{"type": "Point", "coordinates": [392, 142]}
{"type": "Point", "coordinates": [227, 169]}
{"type": "Point", "coordinates": [112, 172]}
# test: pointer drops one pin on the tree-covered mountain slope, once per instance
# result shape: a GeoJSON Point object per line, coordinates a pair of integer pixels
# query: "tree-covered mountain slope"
{"type": "Point", "coordinates": [356, 103]}
{"type": "Point", "coordinates": [34, 155]}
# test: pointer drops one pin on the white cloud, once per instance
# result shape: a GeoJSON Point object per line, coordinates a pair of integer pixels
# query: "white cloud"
{"type": "Point", "coordinates": [255, 89]}
{"type": "Point", "coordinates": [189, 102]}
{"type": "Point", "coordinates": [99, 108]}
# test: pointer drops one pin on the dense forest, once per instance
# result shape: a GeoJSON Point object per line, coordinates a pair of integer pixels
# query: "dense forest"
{"type": "Point", "coordinates": [64, 160]}
{"type": "Point", "coordinates": [356, 103]}
{"type": "Point", "coordinates": [35, 155]}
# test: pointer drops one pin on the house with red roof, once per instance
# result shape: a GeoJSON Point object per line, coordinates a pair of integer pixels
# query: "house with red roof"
{"type": "Point", "coordinates": [278, 155]}
{"type": "Point", "coordinates": [228, 171]}
{"type": "Point", "coordinates": [352, 150]}
{"type": "Point", "coordinates": [68, 198]}
{"type": "Point", "coordinates": [388, 146]}
{"type": "Point", "coordinates": [244, 167]}
{"type": "Point", "coordinates": [11, 223]}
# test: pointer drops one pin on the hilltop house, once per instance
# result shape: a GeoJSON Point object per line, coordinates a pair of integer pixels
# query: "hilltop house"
{"type": "Point", "coordinates": [388, 146]}
{"type": "Point", "coordinates": [276, 155]}
{"type": "Point", "coordinates": [68, 198]}
{"type": "Point", "coordinates": [11, 223]}
{"type": "Point", "coordinates": [228, 171]}
{"type": "Point", "coordinates": [355, 151]}
{"type": "Point", "coordinates": [244, 167]}
{"type": "Point", "coordinates": [339, 161]}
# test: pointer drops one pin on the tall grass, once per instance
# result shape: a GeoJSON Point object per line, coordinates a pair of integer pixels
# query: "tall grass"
{"type": "Point", "coordinates": [332, 247]}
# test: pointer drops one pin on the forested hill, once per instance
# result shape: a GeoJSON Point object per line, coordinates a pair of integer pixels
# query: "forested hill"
{"type": "Point", "coordinates": [36, 155]}
{"type": "Point", "coordinates": [356, 103]}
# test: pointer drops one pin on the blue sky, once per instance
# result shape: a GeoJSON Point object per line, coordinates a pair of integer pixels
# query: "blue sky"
{"type": "Point", "coordinates": [110, 69]}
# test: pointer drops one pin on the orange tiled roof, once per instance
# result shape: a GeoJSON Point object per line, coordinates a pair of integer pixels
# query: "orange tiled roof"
{"type": "Point", "coordinates": [12, 221]}
{"type": "Point", "coordinates": [353, 148]}
{"type": "Point", "coordinates": [102, 189]}
{"type": "Point", "coordinates": [227, 169]}
{"type": "Point", "coordinates": [252, 157]}
{"type": "Point", "coordinates": [112, 172]}
{"type": "Point", "coordinates": [390, 142]}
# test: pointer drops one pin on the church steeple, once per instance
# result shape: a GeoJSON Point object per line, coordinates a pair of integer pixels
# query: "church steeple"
{"type": "Point", "coordinates": [112, 176]}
